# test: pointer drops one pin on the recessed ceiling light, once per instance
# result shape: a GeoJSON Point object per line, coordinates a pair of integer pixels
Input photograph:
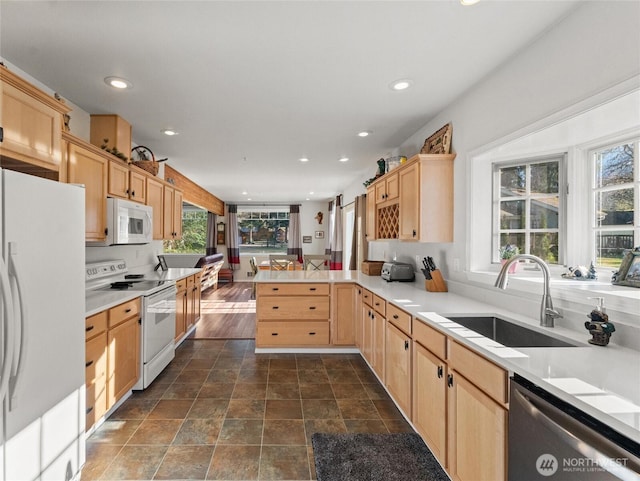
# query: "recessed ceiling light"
{"type": "Point", "coordinates": [304, 159]}
{"type": "Point", "coordinates": [343, 159]}
{"type": "Point", "coordinates": [249, 198]}
{"type": "Point", "coordinates": [402, 84]}
{"type": "Point", "coordinates": [244, 192]}
{"type": "Point", "coordinates": [118, 83]}
{"type": "Point", "coordinates": [169, 132]}
{"type": "Point", "coordinates": [311, 193]}
{"type": "Point", "coordinates": [364, 133]}
{"type": "Point", "coordinates": [469, 2]}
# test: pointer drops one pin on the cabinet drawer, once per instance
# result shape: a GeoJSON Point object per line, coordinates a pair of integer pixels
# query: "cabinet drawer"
{"type": "Point", "coordinates": [293, 333]}
{"type": "Point", "coordinates": [290, 307]}
{"type": "Point", "coordinates": [181, 284]}
{"type": "Point", "coordinates": [190, 281]}
{"type": "Point", "coordinates": [197, 277]}
{"type": "Point", "coordinates": [367, 297]}
{"type": "Point", "coordinates": [399, 318]}
{"type": "Point", "coordinates": [285, 289]}
{"type": "Point", "coordinates": [433, 340]}
{"type": "Point", "coordinates": [123, 312]}
{"type": "Point", "coordinates": [95, 324]}
{"type": "Point", "coordinates": [480, 371]}
{"type": "Point", "coordinates": [96, 359]}
{"type": "Point", "coordinates": [380, 305]}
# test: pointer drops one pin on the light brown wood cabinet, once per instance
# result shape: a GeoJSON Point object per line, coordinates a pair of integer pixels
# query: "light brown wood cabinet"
{"type": "Point", "coordinates": [187, 304]}
{"type": "Point", "coordinates": [343, 318]}
{"type": "Point", "coordinates": [126, 182]}
{"type": "Point", "coordinates": [112, 357]}
{"type": "Point", "coordinates": [367, 325]}
{"type": "Point", "coordinates": [115, 129]}
{"type": "Point", "coordinates": [359, 333]}
{"type": "Point", "coordinates": [379, 322]}
{"type": "Point", "coordinates": [181, 309]}
{"type": "Point", "coordinates": [172, 213]}
{"type": "Point", "coordinates": [370, 230]}
{"type": "Point", "coordinates": [32, 123]}
{"type": "Point", "coordinates": [398, 348]}
{"type": "Point", "coordinates": [88, 165]}
{"type": "Point", "coordinates": [292, 314]}
{"type": "Point", "coordinates": [155, 199]}
{"type": "Point", "coordinates": [387, 189]}
{"type": "Point", "coordinates": [460, 406]}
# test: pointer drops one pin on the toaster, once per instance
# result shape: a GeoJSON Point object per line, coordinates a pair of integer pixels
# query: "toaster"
{"type": "Point", "coordinates": [397, 271]}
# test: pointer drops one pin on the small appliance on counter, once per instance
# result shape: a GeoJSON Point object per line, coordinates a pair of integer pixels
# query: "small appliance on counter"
{"type": "Point", "coordinates": [397, 271]}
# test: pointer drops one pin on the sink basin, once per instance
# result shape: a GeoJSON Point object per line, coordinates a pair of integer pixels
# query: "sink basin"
{"type": "Point", "coordinates": [507, 333]}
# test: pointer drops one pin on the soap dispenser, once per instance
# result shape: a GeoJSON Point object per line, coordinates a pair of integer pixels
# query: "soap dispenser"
{"type": "Point", "coordinates": [599, 325]}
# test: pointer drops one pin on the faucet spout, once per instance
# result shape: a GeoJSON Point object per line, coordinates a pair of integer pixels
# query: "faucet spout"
{"type": "Point", "coordinates": [547, 313]}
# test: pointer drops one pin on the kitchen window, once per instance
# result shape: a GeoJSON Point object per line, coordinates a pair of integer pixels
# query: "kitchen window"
{"type": "Point", "coordinates": [615, 186]}
{"type": "Point", "coordinates": [194, 232]}
{"type": "Point", "coordinates": [529, 207]}
{"type": "Point", "coordinates": [263, 230]}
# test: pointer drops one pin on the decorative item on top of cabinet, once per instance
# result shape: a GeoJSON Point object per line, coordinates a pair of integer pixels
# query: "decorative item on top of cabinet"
{"type": "Point", "coordinates": [439, 142]}
{"type": "Point", "coordinates": [32, 124]}
{"type": "Point", "coordinates": [142, 157]}
{"type": "Point", "coordinates": [113, 132]}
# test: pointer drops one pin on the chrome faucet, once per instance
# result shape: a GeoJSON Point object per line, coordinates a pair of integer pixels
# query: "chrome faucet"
{"type": "Point", "coordinates": [547, 313]}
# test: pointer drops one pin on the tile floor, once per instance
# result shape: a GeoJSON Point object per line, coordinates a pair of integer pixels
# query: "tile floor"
{"type": "Point", "coordinates": [219, 411]}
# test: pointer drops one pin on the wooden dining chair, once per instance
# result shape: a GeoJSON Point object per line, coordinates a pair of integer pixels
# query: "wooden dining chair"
{"type": "Point", "coordinates": [313, 262]}
{"type": "Point", "coordinates": [282, 262]}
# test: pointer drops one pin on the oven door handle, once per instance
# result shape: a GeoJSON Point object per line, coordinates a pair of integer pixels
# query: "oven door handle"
{"type": "Point", "coordinates": [587, 450]}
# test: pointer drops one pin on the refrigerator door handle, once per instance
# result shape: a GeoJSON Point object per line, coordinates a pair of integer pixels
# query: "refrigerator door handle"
{"type": "Point", "coordinates": [570, 439]}
{"type": "Point", "coordinates": [7, 328]}
{"type": "Point", "coordinates": [20, 353]}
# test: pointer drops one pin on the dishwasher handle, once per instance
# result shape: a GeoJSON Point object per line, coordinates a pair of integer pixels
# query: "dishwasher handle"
{"type": "Point", "coordinates": [587, 450]}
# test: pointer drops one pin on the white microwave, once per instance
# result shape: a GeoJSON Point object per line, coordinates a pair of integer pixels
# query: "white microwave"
{"type": "Point", "coordinates": [127, 223]}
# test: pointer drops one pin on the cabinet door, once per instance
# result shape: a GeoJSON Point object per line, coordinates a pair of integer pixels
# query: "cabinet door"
{"type": "Point", "coordinates": [181, 311]}
{"type": "Point", "coordinates": [96, 378]}
{"type": "Point", "coordinates": [90, 169]}
{"type": "Point", "coordinates": [379, 328]}
{"type": "Point", "coordinates": [155, 199]}
{"type": "Point", "coordinates": [409, 186]}
{"type": "Point", "coordinates": [370, 231]}
{"type": "Point", "coordinates": [381, 191]}
{"type": "Point", "coordinates": [118, 179]}
{"type": "Point", "coordinates": [392, 188]}
{"type": "Point", "coordinates": [398, 367]}
{"type": "Point", "coordinates": [123, 359]}
{"type": "Point", "coordinates": [177, 214]}
{"type": "Point", "coordinates": [477, 431]}
{"type": "Point", "coordinates": [137, 187]}
{"type": "Point", "coordinates": [167, 213]}
{"type": "Point", "coordinates": [429, 400]}
{"type": "Point", "coordinates": [343, 318]}
{"type": "Point", "coordinates": [358, 319]}
{"type": "Point", "coordinates": [367, 333]}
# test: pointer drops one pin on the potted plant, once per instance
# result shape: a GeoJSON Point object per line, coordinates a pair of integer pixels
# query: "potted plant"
{"type": "Point", "coordinates": [507, 252]}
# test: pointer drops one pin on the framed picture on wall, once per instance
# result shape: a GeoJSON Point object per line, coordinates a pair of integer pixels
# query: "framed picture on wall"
{"type": "Point", "coordinates": [629, 272]}
{"type": "Point", "coordinates": [306, 239]}
{"type": "Point", "coordinates": [319, 234]}
{"type": "Point", "coordinates": [220, 234]}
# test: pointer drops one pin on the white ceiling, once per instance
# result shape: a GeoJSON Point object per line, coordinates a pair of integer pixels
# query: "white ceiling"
{"type": "Point", "coordinates": [253, 86]}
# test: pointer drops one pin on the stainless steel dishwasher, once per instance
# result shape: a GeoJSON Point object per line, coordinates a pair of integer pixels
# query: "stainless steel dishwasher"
{"type": "Point", "coordinates": [551, 439]}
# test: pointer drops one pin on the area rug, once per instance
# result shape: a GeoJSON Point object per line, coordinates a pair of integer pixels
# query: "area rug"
{"type": "Point", "coordinates": [374, 457]}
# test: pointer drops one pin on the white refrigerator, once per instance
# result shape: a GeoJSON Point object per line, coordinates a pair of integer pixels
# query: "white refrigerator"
{"type": "Point", "coordinates": [42, 308]}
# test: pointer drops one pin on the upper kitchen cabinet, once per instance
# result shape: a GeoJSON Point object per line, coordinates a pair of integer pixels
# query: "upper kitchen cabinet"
{"type": "Point", "coordinates": [127, 182]}
{"type": "Point", "coordinates": [32, 124]}
{"type": "Point", "coordinates": [114, 129]}
{"type": "Point", "coordinates": [88, 165]}
{"type": "Point", "coordinates": [414, 202]}
{"type": "Point", "coordinates": [172, 218]}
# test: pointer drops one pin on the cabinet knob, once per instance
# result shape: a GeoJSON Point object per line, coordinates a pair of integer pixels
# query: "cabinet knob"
{"type": "Point", "coordinates": [312, 308]}
{"type": "Point", "coordinates": [89, 410]}
{"type": "Point", "coordinates": [89, 328]}
{"type": "Point", "coordinates": [127, 311]}
{"type": "Point", "coordinates": [450, 380]}
{"type": "Point", "coordinates": [274, 307]}
{"type": "Point", "coordinates": [406, 345]}
{"type": "Point", "coordinates": [395, 316]}
{"type": "Point", "coordinates": [133, 193]}
{"type": "Point", "coordinates": [440, 372]}
{"type": "Point", "coordinates": [274, 333]}
{"type": "Point", "coordinates": [312, 288]}
{"type": "Point", "coordinates": [312, 333]}
{"type": "Point", "coordinates": [87, 364]}
{"type": "Point", "coordinates": [414, 232]}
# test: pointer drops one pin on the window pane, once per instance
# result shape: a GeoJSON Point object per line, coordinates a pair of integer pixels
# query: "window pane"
{"type": "Point", "coordinates": [610, 246]}
{"type": "Point", "coordinates": [513, 239]}
{"type": "Point", "coordinates": [512, 214]}
{"type": "Point", "coordinates": [544, 213]}
{"type": "Point", "coordinates": [544, 178]}
{"type": "Point", "coordinates": [513, 181]}
{"type": "Point", "coordinates": [614, 207]}
{"type": "Point", "coordinates": [263, 232]}
{"type": "Point", "coordinates": [614, 166]}
{"type": "Point", "coordinates": [545, 246]}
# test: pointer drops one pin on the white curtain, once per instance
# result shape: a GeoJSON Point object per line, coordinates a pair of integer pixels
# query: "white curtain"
{"type": "Point", "coordinates": [294, 246]}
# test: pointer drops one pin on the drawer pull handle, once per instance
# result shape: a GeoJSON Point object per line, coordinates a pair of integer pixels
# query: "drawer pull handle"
{"type": "Point", "coordinates": [89, 410]}
{"type": "Point", "coordinates": [377, 303]}
{"type": "Point", "coordinates": [87, 364]}
{"type": "Point", "coordinates": [312, 307]}
{"type": "Point", "coordinates": [312, 288]}
{"type": "Point", "coordinates": [127, 311]}
{"type": "Point", "coordinates": [274, 333]}
{"type": "Point", "coordinates": [275, 288]}
{"type": "Point", "coordinates": [440, 372]}
{"type": "Point", "coordinates": [406, 345]}
{"type": "Point", "coordinates": [312, 333]}
{"type": "Point", "coordinates": [275, 307]}
{"type": "Point", "coordinates": [395, 316]}
{"type": "Point", "coordinates": [89, 328]}
{"type": "Point", "coordinates": [450, 380]}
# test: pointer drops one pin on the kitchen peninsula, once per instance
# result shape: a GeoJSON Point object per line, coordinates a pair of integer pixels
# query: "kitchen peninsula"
{"type": "Point", "coordinates": [435, 370]}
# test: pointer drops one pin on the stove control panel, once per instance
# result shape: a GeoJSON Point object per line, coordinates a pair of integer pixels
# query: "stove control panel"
{"type": "Point", "coordinates": [99, 270]}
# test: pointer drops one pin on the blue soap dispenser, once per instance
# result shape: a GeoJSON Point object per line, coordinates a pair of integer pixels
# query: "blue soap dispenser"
{"type": "Point", "coordinates": [599, 325]}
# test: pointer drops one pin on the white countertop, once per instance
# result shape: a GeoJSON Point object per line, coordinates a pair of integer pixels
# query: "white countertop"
{"type": "Point", "coordinates": [601, 381]}
{"type": "Point", "coordinates": [99, 300]}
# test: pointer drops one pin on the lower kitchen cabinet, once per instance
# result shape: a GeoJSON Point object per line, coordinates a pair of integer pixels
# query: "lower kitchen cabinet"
{"type": "Point", "coordinates": [96, 367]}
{"type": "Point", "coordinates": [193, 300]}
{"type": "Point", "coordinates": [187, 304]}
{"type": "Point", "coordinates": [358, 317]}
{"type": "Point", "coordinates": [379, 335]}
{"type": "Point", "coordinates": [343, 301]}
{"type": "Point", "coordinates": [398, 367]}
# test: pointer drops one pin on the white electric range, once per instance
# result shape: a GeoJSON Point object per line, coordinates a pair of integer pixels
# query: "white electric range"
{"type": "Point", "coordinates": [158, 316]}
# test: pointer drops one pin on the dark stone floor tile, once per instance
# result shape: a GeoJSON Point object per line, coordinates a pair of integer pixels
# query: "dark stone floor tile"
{"type": "Point", "coordinates": [206, 354]}
{"type": "Point", "coordinates": [228, 362]}
{"type": "Point", "coordinates": [366, 376]}
{"type": "Point", "coordinates": [371, 426]}
{"type": "Point", "coordinates": [282, 375]}
{"type": "Point", "coordinates": [312, 376]}
{"type": "Point", "coordinates": [398, 426]}
{"type": "Point", "coordinates": [332, 426]}
{"type": "Point", "coordinates": [336, 361]}
{"type": "Point", "coordinates": [358, 409]}
{"type": "Point", "coordinates": [200, 364]}
{"type": "Point", "coordinates": [316, 391]}
{"type": "Point", "coordinates": [154, 391]}
{"type": "Point", "coordinates": [134, 409]}
{"type": "Point", "coordinates": [235, 462]}
{"type": "Point", "coordinates": [241, 431]}
{"type": "Point", "coordinates": [169, 374]}
{"type": "Point", "coordinates": [135, 462]}
{"type": "Point", "coordinates": [387, 409]}
{"type": "Point", "coordinates": [283, 391]}
{"type": "Point", "coordinates": [250, 390]}
{"type": "Point", "coordinates": [192, 376]}
{"type": "Point", "coordinates": [223, 375]}
{"type": "Point", "coordinates": [309, 361]}
{"type": "Point", "coordinates": [199, 431]}
{"type": "Point", "coordinates": [246, 408]}
{"type": "Point", "coordinates": [376, 391]}
{"type": "Point", "coordinates": [283, 409]}
{"type": "Point", "coordinates": [171, 409]}
{"type": "Point", "coordinates": [253, 375]}
{"type": "Point", "coordinates": [114, 431]}
{"type": "Point", "coordinates": [342, 376]}
{"type": "Point", "coordinates": [284, 462]}
{"type": "Point", "coordinates": [185, 462]}
{"type": "Point", "coordinates": [179, 390]}
{"type": "Point", "coordinates": [312, 463]}
{"type": "Point", "coordinates": [205, 408]}
{"type": "Point", "coordinates": [320, 409]}
{"type": "Point", "coordinates": [349, 391]}
{"type": "Point", "coordinates": [156, 431]}
{"type": "Point", "coordinates": [284, 431]}
{"type": "Point", "coordinates": [221, 390]}
{"type": "Point", "coordinates": [283, 364]}
{"type": "Point", "coordinates": [99, 457]}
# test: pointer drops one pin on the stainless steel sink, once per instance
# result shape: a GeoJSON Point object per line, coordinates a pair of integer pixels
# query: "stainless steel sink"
{"type": "Point", "coordinates": [507, 333]}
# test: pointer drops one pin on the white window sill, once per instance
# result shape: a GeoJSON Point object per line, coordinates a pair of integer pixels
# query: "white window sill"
{"type": "Point", "coordinates": [620, 298]}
